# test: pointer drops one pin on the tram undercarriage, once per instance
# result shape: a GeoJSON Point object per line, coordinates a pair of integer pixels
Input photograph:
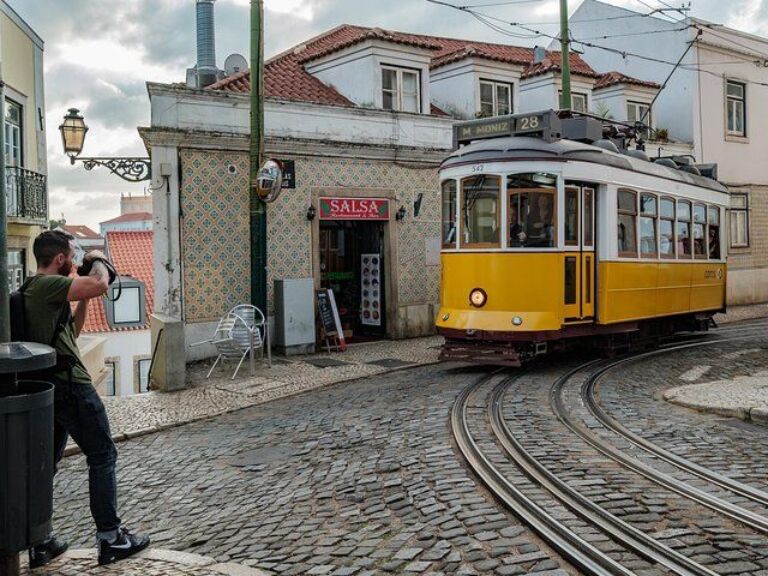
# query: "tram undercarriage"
{"type": "Point", "coordinates": [516, 349]}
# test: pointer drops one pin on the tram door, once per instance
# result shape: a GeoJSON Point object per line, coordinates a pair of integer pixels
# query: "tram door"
{"type": "Point", "coordinates": [579, 265]}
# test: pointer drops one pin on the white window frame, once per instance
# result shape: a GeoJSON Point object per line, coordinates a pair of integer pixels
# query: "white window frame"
{"type": "Point", "coordinates": [736, 100]}
{"type": "Point", "coordinates": [398, 92]}
{"type": "Point", "coordinates": [14, 155]}
{"type": "Point", "coordinates": [495, 103]}
{"type": "Point", "coordinates": [737, 214]}
{"type": "Point", "coordinates": [639, 108]}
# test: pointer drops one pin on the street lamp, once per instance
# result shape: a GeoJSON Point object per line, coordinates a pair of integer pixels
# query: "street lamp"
{"type": "Point", "coordinates": [73, 131]}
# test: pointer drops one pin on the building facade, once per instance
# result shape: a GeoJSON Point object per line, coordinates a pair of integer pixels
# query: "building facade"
{"type": "Point", "coordinates": [127, 222]}
{"type": "Point", "coordinates": [21, 54]}
{"type": "Point", "coordinates": [121, 321]}
{"type": "Point", "coordinates": [362, 117]}
{"type": "Point", "coordinates": [716, 102]}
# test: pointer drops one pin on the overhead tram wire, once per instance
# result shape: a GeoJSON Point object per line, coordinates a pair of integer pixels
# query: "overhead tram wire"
{"type": "Point", "coordinates": [622, 53]}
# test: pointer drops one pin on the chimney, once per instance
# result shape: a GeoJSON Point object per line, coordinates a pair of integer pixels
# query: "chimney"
{"type": "Point", "coordinates": [539, 54]}
{"type": "Point", "coordinates": [207, 73]}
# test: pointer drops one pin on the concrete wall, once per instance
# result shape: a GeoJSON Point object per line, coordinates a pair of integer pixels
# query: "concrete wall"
{"type": "Point", "coordinates": [130, 226]}
{"type": "Point", "coordinates": [230, 114]}
{"type": "Point", "coordinates": [125, 348]}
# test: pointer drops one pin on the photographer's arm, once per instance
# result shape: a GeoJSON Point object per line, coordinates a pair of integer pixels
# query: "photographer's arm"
{"type": "Point", "coordinates": [99, 273]}
{"type": "Point", "coordinates": [87, 287]}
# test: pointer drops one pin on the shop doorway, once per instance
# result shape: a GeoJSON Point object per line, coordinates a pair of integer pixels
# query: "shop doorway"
{"type": "Point", "coordinates": [352, 265]}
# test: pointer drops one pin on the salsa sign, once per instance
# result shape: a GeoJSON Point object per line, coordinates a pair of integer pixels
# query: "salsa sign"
{"type": "Point", "coordinates": [354, 209]}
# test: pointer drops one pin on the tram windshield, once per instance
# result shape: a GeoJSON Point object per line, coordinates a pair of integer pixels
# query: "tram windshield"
{"type": "Point", "coordinates": [480, 211]}
{"type": "Point", "coordinates": [531, 210]}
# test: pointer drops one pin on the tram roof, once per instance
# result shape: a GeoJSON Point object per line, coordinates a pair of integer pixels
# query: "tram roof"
{"type": "Point", "coordinates": [518, 148]}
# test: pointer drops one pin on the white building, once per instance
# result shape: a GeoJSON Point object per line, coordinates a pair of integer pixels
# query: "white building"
{"type": "Point", "coordinates": [127, 222]}
{"type": "Point", "coordinates": [716, 101]}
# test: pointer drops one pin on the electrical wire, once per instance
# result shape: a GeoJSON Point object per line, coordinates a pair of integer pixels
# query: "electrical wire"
{"type": "Point", "coordinates": [605, 37]}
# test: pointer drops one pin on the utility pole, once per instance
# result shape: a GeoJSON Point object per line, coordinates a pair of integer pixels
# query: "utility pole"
{"type": "Point", "coordinates": [257, 207]}
{"type": "Point", "coordinates": [565, 61]}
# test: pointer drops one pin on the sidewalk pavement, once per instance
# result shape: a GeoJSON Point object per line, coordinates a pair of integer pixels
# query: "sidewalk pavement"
{"type": "Point", "coordinates": [744, 397]}
{"type": "Point", "coordinates": [149, 563]}
{"type": "Point", "coordinates": [141, 414]}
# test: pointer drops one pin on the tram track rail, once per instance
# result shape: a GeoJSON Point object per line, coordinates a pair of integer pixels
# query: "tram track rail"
{"type": "Point", "coordinates": [562, 539]}
{"type": "Point", "coordinates": [608, 523]}
{"type": "Point", "coordinates": [567, 542]}
{"type": "Point", "coordinates": [746, 517]}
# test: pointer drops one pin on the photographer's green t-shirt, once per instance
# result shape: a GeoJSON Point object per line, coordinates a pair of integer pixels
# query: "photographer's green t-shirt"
{"type": "Point", "coordinates": [43, 299]}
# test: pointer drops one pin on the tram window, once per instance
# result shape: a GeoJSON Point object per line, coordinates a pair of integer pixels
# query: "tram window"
{"type": "Point", "coordinates": [571, 216]}
{"type": "Point", "coordinates": [699, 229]}
{"type": "Point", "coordinates": [627, 223]}
{"type": "Point", "coordinates": [648, 225]}
{"type": "Point", "coordinates": [667, 228]}
{"type": "Point", "coordinates": [480, 212]}
{"type": "Point", "coordinates": [531, 210]}
{"type": "Point", "coordinates": [589, 211]}
{"type": "Point", "coordinates": [684, 248]}
{"type": "Point", "coordinates": [713, 234]}
{"type": "Point", "coordinates": [449, 214]}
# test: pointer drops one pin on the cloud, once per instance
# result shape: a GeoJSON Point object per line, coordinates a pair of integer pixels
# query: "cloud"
{"type": "Point", "coordinates": [99, 55]}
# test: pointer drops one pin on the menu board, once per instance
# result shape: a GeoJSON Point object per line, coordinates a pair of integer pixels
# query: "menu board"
{"type": "Point", "coordinates": [371, 289]}
{"type": "Point", "coordinates": [329, 316]}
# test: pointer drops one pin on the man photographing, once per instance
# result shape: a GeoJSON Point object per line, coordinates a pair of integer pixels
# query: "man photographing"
{"type": "Point", "coordinates": [78, 409]}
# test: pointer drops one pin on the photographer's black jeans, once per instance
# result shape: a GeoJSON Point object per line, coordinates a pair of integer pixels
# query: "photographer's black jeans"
{"type": "Point", "coordinates": [79, 413]}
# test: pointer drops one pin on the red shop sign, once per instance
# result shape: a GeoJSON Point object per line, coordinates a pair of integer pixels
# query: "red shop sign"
{"type": "Point", "coordinates": [354, 209]}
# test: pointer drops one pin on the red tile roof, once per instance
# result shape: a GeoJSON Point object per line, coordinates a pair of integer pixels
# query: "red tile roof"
{"type": "Point", "coordinates": [286, 78]}
{"type": "Point", "coordinates": [81, 232]}
{"type": "Point", "coordinates": [130, 217]}
{"type": "Point", "coordinates": [131, 253]}
{"type": "Point", "coordinates": [613, 78]}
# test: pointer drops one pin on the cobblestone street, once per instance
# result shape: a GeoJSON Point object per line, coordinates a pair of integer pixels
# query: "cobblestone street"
{"type": "Point", "coordinates": [364, 478]}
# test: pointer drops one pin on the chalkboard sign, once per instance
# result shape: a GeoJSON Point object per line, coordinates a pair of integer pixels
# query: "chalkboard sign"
{"type": "Point", "coordinates": [326, 312]}
{"type": "Point", "coordinates": [329, 316]}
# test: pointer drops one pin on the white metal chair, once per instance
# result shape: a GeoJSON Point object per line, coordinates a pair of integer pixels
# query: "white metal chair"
{"type": "Point", "coordinates": [239, 334]}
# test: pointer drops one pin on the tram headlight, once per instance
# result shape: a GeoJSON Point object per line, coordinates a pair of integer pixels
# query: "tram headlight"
{"type": "Point", "coordinates": [517, 321]}
{"type": "Point", "coordinates": [478, 297]}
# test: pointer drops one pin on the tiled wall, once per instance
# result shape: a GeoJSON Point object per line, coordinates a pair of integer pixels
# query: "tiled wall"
{"type": "Point", "coordinates": [216, 261]}
{"type": "Point", "coordinates": [216, 226]}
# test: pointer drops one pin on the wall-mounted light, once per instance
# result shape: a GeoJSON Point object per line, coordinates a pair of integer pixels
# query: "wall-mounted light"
{"type": "Point", "coordinates": [400, 213]}
{"type": "Point", "coordinates": [311, 213]}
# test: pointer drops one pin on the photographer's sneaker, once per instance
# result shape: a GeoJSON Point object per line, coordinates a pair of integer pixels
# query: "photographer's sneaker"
{"type": "Point", "coordinates": [43, 553]}
{"type": "Point", "coordinates": [125, 545]}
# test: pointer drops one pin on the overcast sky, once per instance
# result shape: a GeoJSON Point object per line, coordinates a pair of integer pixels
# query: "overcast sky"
{"type": "Point", "coordinates": [99, 54]}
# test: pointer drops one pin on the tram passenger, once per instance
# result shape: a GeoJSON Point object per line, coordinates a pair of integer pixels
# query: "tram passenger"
{"type": "Point", "coordinates": [516, 233]}
{"type": "Point", "coordinates": [540, 223]}
{"type": "Point", "coordinates": [714, 242]}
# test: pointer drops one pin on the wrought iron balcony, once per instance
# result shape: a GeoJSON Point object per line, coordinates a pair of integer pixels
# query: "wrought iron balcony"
{"type": "Point", "coordinates": [27, 194]}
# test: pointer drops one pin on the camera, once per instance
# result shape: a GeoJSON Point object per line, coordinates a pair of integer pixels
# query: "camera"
{"type": "Point", "coordinates": [85, 268]}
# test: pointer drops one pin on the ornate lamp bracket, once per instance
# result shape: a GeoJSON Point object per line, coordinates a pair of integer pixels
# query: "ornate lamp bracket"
{"type": "Point", "coordinates": [130, 169]}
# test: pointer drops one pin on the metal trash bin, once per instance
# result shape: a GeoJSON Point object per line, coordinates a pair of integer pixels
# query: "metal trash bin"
{"type": "Point", "coordinates": [26, 465]}
{"type": "Point", "coordinates": [26, 449]}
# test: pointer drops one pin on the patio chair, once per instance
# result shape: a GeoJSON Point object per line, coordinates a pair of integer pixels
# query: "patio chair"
{"type": "Point", "coordinates": [242, 329]}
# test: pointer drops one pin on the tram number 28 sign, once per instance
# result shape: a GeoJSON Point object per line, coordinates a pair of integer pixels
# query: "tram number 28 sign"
{"type": "Point", "coordinates": [354, 209]}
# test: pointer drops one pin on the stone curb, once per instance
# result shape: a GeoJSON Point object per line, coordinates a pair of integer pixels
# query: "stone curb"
{"type": "Point", "coordinates": [754, 415]}
{"type": "Point", "coordinates": [124, 436]}
{"type": "Point", "coordinates": [185, 559]}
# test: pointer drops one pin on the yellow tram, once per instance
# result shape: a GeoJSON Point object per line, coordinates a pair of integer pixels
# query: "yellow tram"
{"type": "Point", "coordinates": [553, 234]}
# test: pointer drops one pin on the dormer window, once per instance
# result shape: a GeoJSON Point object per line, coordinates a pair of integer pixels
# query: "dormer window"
{"type": "Point", "coordinates": [129, 310]}
{"type": "Point", "coordinates": [400, 89]}
{"type": "Point", "coordinates": [495, 98]}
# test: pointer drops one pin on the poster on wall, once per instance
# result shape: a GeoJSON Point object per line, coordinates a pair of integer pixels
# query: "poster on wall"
{"type": "Point", "coordinates": [371, 289]}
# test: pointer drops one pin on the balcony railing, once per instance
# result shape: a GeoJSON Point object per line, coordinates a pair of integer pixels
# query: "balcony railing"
{"type": "Point", "coordinates": [27, 194]}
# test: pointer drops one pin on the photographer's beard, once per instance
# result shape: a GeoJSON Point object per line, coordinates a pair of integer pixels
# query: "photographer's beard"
{"type": "Point", "coordinates": [66, 268]}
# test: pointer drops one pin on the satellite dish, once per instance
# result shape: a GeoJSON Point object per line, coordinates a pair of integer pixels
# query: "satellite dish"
{"type": "Point", "coordinates": [235, 63]}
